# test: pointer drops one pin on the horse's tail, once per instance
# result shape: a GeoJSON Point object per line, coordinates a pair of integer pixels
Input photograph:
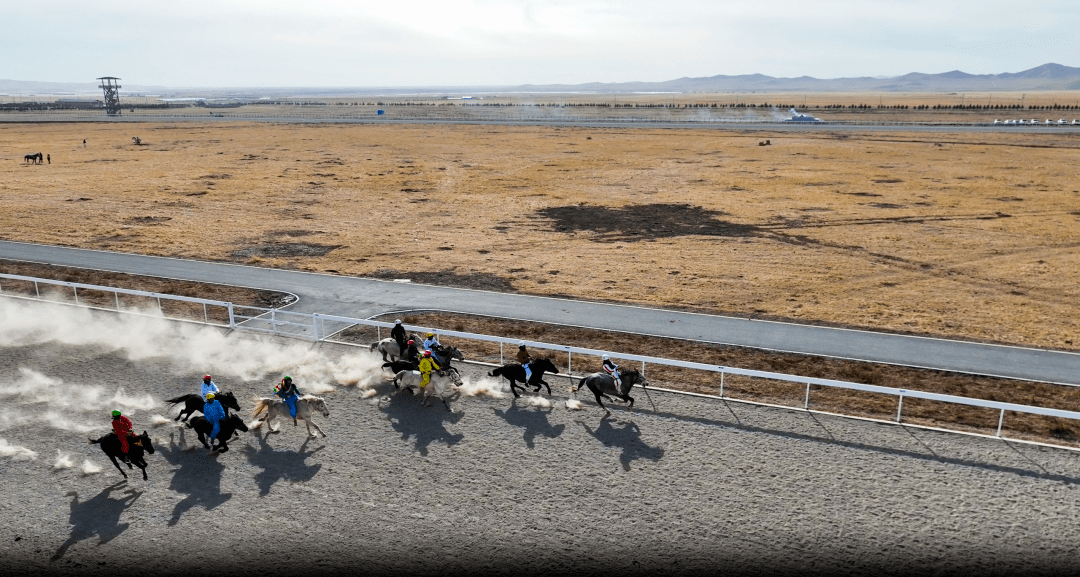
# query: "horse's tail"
{"type": "Point", "coordinates": [580, 384]}
{"type": "Point", "coordinates": [95, 441]}
{"type": "Point", "coordinates": [260, 406]}
{"type": "Point", "coordinates": [176, 400]}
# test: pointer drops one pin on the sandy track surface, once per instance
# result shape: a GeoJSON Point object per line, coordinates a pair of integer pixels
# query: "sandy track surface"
{"type": "Point", "coordinates": [494, 486]}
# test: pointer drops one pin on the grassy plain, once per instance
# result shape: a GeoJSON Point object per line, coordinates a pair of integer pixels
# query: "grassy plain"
{"type": "Point", "coordinates": [962, 235]}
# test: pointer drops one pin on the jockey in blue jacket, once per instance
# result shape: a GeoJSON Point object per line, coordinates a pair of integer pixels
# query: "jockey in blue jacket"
{"type": "Point", "coordinates": [208, 386]}
{"type": "Point", "coordinates": [214, 413]}
{"type": "Point", "coordinates": [289, 393]}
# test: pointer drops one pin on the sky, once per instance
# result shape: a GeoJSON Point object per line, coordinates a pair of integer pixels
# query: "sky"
{"type": "Point", "coordinates": [263, 43]}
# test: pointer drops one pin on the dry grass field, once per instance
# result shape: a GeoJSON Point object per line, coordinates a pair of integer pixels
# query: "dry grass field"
{"type": "Point", "coordinates": [961, 235]}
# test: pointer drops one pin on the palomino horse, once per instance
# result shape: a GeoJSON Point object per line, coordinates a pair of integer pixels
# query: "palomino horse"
{"type": "Point", "coordinates": [305, 406]}
{"type": "Point", "coordinates": [137, 447]}
{"type": "Point", "coordinates": [443, 384]}
{"type": "Point", "coordinates": [602, 385]}
{"type": "Point", "coordinates": [515, 372]}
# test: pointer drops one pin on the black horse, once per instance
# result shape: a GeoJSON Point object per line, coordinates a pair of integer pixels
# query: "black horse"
{"type": "Point", "coordinates": [34, 158]}
{"type": "Point", "coordinates": [515, 372]}
{"type": "Point", "coordinates": [228, 428]}
{"type": "Point", "coordinates": [398, 366]}
{"type": "Point", "coordinates": [137, 448]}
{"type": "Point", "coordinates": [444, 355]}
{"type": "Point", "coordinates": [601, 384]}
{"type": "Point", "coordinates": [194, 403]}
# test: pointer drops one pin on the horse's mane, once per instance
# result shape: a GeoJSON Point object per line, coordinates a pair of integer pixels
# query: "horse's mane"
{"type": "Point", "coordinates": [310, 398]}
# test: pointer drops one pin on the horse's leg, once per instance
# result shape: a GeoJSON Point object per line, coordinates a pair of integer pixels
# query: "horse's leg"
{"type": "Point", "coordinates": [202, 438]}
{"type": "Point", "coordinates": [513, 383]}
{"type": "Point", "coordinates": [596, 392]}
{"type": "Point", "coordinates": [117, 465]}
{"type": "Point", "coordinates": [313, 424]}
{"type": "Point", "coordinates": [543, 382]}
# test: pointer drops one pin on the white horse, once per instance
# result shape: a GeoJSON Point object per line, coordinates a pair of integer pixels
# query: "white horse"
{"type": "Point", "coordinates": [275, 408]}
{"type": "Point", "coordinates": [443, 384]}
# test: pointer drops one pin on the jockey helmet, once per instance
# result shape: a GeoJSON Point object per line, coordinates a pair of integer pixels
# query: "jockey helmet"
{"type": "Point", "coordinates": [521, 344]}
{"type": "Point", "coordinates": [427, 353]}
{"type": "Point", "coordinates": [286, 379]}
{"type": "Point", "coordinates": [431, 334]}
{"type": "Point", "coordinates": [606, 358]}
{"type": "Point", "coordinates": [397, 322]}
{"type": "Point", "coordinates": [206, 377]}
{"type": "Point", "coordinates": [116, 413]}
{"type": "Point", "coordinates": [412, 342]}
{"type": "Point", "coordinates": [209, 396]}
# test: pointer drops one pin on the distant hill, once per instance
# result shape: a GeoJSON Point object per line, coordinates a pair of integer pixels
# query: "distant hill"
{"type": "Point", "coordinates": [1046, 77]}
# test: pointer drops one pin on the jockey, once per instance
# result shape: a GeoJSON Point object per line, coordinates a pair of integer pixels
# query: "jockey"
{"type": "Point", "coordinates": [208, 386]}
{"type": "Point", "coordinates": [432, 342]}
{"type": "Point", "coordinates": [613, 370]}
{"type": "Point", "coordinates": [398, 334]}
{"type": "Point", "coordinates": [122, 427]}
{"type": "Point", "coordinates": [214, 413]}
{"type": "Point", "coordinates": [524, 359]}
{"type": "Point", "coordinates": [412, 354]}
{"type": "Point", "coordinates": [289, 393]}
{"type": "Point", "coordinates": [427, 364]}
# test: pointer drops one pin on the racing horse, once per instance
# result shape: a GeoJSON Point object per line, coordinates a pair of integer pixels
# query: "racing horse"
{"type": "Point", "coordinates": [602, 385]}
{"type": "Point", "coordinates": [228, 428]}
{"type": "Point", "coordinates": [274, 408]}
{"type": "Point", "coordinates": [390, 347]}
{"type": "Point", "coordinates": [515, 372]}
{"type": "Point", "coordinates": [443, 384]}
{"type": "Point", "coordinates": [35, 159]}
{"type": "Point", "coordinates": [137, 448]}
{"type": "Point", "coordinates": [444, 355]}
{"type": "Point", "coordinates": [194, 403]}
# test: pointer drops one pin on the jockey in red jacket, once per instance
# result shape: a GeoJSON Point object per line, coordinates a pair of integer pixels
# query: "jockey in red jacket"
{"type": "Point", "coordinates": [122, 427]}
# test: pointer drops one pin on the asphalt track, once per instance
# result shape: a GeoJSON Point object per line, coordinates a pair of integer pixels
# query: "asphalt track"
{"type": "Point", "coordinates": [555, 121]}
{"type": "Point", "coordinates": [362, 298]}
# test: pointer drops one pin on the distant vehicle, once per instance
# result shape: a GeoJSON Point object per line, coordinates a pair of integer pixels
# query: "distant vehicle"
{"type": "Point", "coordinates": [796, 117]}
{"type": "Point", "coordinates": [1075, 121]}
{"type": "Point", "coordinates": [1062, 121]}
{"type": "Point", "coordinates": [1048, 121]}
{"type": "Point", "coordinates": [999, 122]}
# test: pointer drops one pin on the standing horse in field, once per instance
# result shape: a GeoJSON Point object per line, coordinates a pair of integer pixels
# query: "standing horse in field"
{"type": "Point", "coordinates": [228, 428]}
{"type": "Point", "coordinates": [33, 158]}
{"type": "Point", "coordinates": [305, 406]}
{"type": "Point", "coordinates": [195, 402]}
{"type": "Point", "coordinates": [602, 385]}
{"type": "Point", "coordinates": [137, 447]}
{"type": "Point", "coordinates": [515, 372]}
{"type": "Point", "coordinates": [443, 384]}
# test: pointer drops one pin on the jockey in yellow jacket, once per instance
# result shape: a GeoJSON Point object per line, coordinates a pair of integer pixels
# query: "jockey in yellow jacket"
{"type": "Point", "coordinates": [427, 364]}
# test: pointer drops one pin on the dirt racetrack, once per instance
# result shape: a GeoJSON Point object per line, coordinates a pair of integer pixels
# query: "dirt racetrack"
{"type": "Point", "coordinates": [495, 487]}
{"type": "Point", "coordinates": [960, 235]}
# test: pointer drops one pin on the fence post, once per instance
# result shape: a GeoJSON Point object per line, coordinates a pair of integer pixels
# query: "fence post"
{"type": "Point", "coordinates": [76, 289]}
{"type": "Point", "coordinates": [232, 318]}
{"type": "Point", "coordinates": [900, 407]}
{"type": "Point", "coordinates": [1001, 419]}
{"type": "Point", "coordinates": [273, 321]}
{"type": "Point", "coordinates": [642, 368]}
{"type": "Point", "coordinates": [721, 382]}
{"type": "Point", "coordinates": [205, 317]}
{"type": "Point", "coordinates": [116, 297]}
{"type": "Point", "coordinates": [315, 325]}
{"type": "Point", "coordinates": [36, 291]}
{"type": "Point", "coordinates": [501, 353]}
{"type": "Point", "coordinates": [159, 307]}
{"type": "Point", "coordinates": [806, 401]}
{"type": "Point", "coordinates": [378, 332]}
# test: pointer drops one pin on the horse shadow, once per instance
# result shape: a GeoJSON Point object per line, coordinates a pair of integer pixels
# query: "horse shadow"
{"type": "Point", "coordinates": [426, 425]}
{"type": "Point", "coordinates": [626, 437]}
{"type": "Point", "coordinates": [535, 422]}
{"type": "Point", "coordinates": [198, 474]}
{"type": "Point", "coordinates": [279, 464]}
{"type": "Point", "coordinates": [97, 516]}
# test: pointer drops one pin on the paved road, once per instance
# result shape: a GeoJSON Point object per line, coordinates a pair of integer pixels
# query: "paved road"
{"type": "Point", "coordinates": [361, 298]}
{"type": "Point", "coordinates": [740, 126]}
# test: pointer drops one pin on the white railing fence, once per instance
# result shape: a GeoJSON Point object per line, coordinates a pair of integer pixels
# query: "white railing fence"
{"type": "Point", "coordinates": [320, 327]}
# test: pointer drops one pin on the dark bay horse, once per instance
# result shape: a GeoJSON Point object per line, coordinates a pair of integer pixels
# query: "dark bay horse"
{"type": "Point", "coordinates": [229, 427]}
{"type": "Point", "coordinates": [34, 158]}
{"type": "Point", "coordinates": [515, 372]}
{"type": "Point", "coordinates": [601, 384]}
{"type": "Point", "coordinates": [137, 447]}
{"type": "Point", "coordinates": [194, 403]}
{"type": "Point", "coordinates": [398, 366]}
